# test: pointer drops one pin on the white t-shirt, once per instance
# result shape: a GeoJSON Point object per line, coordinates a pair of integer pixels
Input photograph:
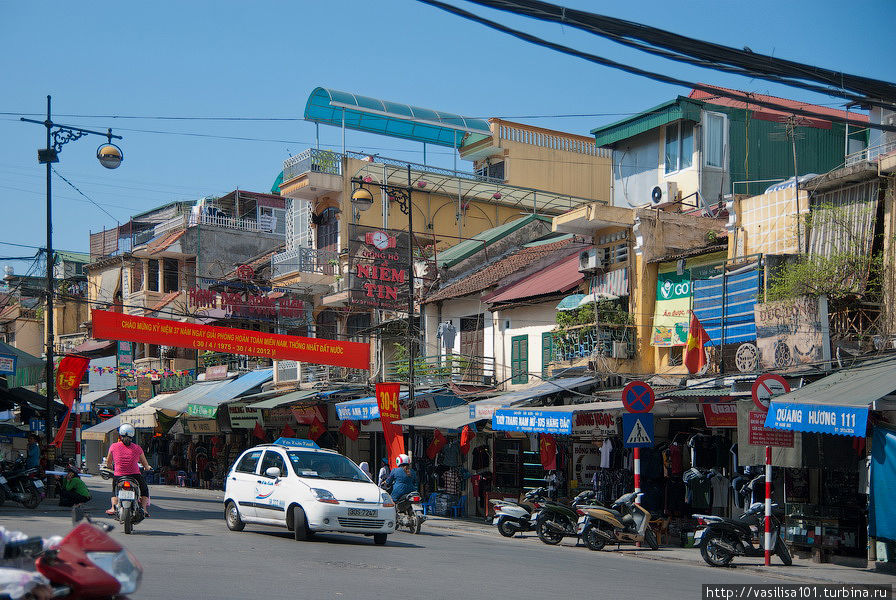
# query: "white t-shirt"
{"type": "Point", "coordinates": [605, 449]}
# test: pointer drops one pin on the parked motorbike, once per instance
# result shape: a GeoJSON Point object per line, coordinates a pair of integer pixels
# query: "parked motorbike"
{"type": "Point", "coordinates": [128, 492]}
{"type": "Point", "coordinates": [85, 564]}
{"type": "Point", "coordinates": [512, 517]}
{"type": "Point", "coordinates": [20, 484]}
{"type": "Point", "coordinates": [722, 538]}
{"type": "Point", "coordinates": [624, 522]}
{"type": "Point", "coordinates": [409, 512]}
{"type": "Point", "coordinates": [558, 520]}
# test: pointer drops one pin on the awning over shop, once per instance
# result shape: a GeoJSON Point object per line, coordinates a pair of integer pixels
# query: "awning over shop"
{"type": "Point", "coordinates": [450, 418]}
{"type": "Point", "coordinates": [178, 402]}
{"type": "Point", "coordinates": [207, 405]}
{"type": "Point", "coordinates": [571, 302]}
{"type": "Point", "coordinates": [366, 409]}
{"type": "Point", "coordinates": [29, 369]}
{"type": "Point", "coordinates": [100, 398]}
{"type": "Point", "coordinates": [93, 346]}
{"type": "Point", "coordinates": [484, 409]}
{"type": "Point", "coordinates": [838, 403]}
{"type": "Point", "coordinates": [23, 396]}
{"type": "Point", "coordinates": [283, 399]}
{"type": "Point", "coordinates": [556, 419]}
{"type": "Point", "coordinates": [141, 417]}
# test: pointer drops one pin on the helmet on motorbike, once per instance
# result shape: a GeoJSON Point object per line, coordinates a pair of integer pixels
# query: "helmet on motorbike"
{"type": "Point", "coordinates": [402, 459]}
{"type": "Point", "coordinates": [126, 430]}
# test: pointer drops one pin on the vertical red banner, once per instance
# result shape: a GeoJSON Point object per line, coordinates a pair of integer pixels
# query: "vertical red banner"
{"type": "Point", "coordinates": [69, 373]}
{"type": "Point", "coordinates": [387, 401]}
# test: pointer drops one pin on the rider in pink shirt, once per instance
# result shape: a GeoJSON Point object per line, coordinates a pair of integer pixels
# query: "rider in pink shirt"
{"type": "Point", "coordinates": [126, 456]}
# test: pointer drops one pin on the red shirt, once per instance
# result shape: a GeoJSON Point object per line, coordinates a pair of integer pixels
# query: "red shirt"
{"type": "Point", "coordinates": [126, 458]}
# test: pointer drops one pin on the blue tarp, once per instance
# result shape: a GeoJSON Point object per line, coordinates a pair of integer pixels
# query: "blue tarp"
{"type": "Point", "coordinates": [881, 516]}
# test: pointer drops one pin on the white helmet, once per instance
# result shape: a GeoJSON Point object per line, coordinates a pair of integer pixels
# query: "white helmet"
{"type": "Point", "coordinates": [402, 459]}
{"type": "Point", "coordinates": [127, 429]}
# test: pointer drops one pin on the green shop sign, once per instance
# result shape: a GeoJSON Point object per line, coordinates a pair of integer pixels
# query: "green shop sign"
{"type": "Point", "coordinates": [200, 410]}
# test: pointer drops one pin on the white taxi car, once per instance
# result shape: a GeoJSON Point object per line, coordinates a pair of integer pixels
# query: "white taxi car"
{"type": "Point", "coordinates": [294, 483]}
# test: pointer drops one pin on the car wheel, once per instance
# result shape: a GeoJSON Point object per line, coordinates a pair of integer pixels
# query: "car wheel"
{"type": "Point", "coordinates": [299, 524]}
{"type": "Point", "coordinates": [232, 517]}
{"type": "Point", "coordinates": [379, 538]}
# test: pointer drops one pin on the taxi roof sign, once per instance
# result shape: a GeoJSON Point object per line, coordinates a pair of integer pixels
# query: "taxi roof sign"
{"type": "Point", "coordinates": [296, 443]}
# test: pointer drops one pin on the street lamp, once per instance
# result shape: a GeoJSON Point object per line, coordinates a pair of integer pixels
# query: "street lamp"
{"type": "Point", "coordinates": [362, 200]}
{"type": "Point", "coordinates": [110, 156]}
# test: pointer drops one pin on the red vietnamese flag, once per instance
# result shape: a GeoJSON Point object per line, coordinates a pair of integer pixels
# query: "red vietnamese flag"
{"type": "Point", "coordinates": [316, 430]}
{"type": "Point", "coordinates": [258, 431]}
{"type": "Point", "coordinates": [350, 430]}
{"type": "Point", "coordinates": [387, 402]}
{"type": "Point", "coordinates": [695, 353]}
{"type": "Point", "coordinates": [435, 446]}
{"type": "Point", "coordinates": [548, 449]}
{"type": "Point", "coordinates": [69, 373]}
{"type": "Point", "coordinates": [466, 438]}
{"type": "Point", "coordinates": [288, 432]}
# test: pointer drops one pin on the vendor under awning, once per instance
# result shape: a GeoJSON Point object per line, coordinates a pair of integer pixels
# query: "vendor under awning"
{"type": "Point", "coordinates": [838, 403]}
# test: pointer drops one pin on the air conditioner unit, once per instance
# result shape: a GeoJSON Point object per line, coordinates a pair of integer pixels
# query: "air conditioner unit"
{"type": "Point", "coordinates": [661, 194]}
{"type": "Point", "coordinates": [621, 350]}
{"type": "Point", "coordinates": [589, 260]}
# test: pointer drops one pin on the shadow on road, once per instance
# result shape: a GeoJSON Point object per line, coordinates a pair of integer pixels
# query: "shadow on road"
{"type": "Point", "coordinates": [339, 539]}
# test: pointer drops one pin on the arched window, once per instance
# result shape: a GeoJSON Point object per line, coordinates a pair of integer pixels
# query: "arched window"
{"type": "Point", "coordinates": [328, 230]}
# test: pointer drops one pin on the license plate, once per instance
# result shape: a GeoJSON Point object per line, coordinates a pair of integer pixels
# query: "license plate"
{"type": "Point", "coordinates": [495, 521]}
{"type": "Point", "coordinates": [361, 512]}
{"type": "Point", "coordinates": [126, 494]}
{"type": "Point", "coordinates": [38, 483]}
{"type": "Point", "coordinates": [698, 535]}
{"type": "Point", "coordinates": [580, 528]}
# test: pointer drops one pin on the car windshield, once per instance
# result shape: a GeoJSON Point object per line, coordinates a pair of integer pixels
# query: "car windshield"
{"type": "Point", "coordinates": [319, 465]}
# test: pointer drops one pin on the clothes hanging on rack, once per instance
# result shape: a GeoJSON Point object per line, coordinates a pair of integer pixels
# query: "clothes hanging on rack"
{"type": "Point", "coordinates": [606, 449]}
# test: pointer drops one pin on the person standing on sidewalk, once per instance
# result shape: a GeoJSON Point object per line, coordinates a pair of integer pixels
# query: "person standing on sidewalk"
{"type": "Point", "coordinates": [32, 459]}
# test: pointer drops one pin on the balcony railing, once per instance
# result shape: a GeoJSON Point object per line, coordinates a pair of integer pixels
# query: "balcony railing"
{"type": "Point", "coordinates": [871, 153]}
{"type": "Point", "coordinates": [312, 161]}
{"type": "Point", "coordinates": [307, 373]}
{"type": "Point", "coordinates": [305, 260]}
{"type": "Point", "coordinates": [440, 370]}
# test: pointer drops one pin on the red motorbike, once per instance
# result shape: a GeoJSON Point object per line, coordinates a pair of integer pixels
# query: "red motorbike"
{"type": "Point", "coordinates": [86, 564]}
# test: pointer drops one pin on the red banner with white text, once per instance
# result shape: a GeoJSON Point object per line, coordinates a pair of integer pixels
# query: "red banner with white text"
{"type": "Point", "coordinates": [117, 326]}
{"type": "Point", "coordinates": [387, 400]}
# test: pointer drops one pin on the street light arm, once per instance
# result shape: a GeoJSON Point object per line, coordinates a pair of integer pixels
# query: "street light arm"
{"type": "Point", "coordinates": [106, 134]}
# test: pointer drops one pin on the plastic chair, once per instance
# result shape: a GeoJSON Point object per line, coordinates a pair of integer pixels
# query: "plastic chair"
{"type": "Point", "coordinates": [430, 504]}
{"type": "Point", "coordinates": [458, 510]}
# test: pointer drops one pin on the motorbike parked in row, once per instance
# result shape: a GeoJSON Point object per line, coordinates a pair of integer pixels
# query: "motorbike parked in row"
{"type": "Point", "coordinates": [625, 522]}
{"type": "Point", "coordinates": [513, 517]}
{"type": "Point", "coordinates": [127, 490]}
{"type": "Point", "coordinates": [724, 538]}
{"type": "Point", "coordinates": [85, 564]}
{"type": "Point", "coordinates": [21, 484]}
{"type": "Point", "coordinates": [409, 512]}
{"type": "Point", "coordinates": [558, 520]}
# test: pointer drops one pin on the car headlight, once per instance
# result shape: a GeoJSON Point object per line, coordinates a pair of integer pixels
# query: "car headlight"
{"type": "Point", "coordinates": [387, 500]}
{"type": "Point", "coordinates": [323, 495]}
{"type": "Point", "coordinates": [120, 565]}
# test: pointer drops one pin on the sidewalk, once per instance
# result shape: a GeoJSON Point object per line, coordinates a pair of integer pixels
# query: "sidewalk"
{"type": "Point", "coordinates": [802, 570]}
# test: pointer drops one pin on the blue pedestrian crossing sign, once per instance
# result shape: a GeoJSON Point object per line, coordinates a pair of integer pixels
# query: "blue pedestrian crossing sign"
{"type": "Point", "coordinates": [637, 430]}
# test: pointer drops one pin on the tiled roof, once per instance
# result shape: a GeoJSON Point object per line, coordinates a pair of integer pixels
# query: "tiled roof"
{"type": "Point", "coordinates": [163, 243]}
{"type": "Point", "coordinates": [164, 300]}
{"type": "Point", "coordinates": [488, 276]}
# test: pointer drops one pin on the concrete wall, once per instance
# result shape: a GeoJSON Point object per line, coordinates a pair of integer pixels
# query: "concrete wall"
{"type": "Point", "coordinates": [531, 321]}
{"type": "Point", "coordinates": [218, 249]}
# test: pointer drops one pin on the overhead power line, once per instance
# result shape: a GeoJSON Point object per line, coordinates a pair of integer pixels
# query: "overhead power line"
{"type": "Point", "coordinates": [705, 54]}
{"type": "Point", "coordinates": [649, 74]}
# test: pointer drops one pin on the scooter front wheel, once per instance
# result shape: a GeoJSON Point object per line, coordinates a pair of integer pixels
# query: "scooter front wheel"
{"type": "Point", "coordinates": [782, 552]}
{"type": "Point", "coordinates": [715, 555]}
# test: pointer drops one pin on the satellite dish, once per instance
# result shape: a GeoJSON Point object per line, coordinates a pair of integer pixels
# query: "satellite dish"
{"type": "Point", "coordinates": [656, 195]}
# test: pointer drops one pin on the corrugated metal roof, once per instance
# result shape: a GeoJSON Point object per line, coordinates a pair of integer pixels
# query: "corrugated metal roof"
{"type": "Point", "coordinates": [450, 418]}
{"type": "Point", "coordinates": [559, 277]}
{"type": "Point", "coordinates": [467, 248]}
{"type": "Point", "coordinates": [857, 386]}
{"type": "Point", "coordinates": [668, 112]}
{"type": "Point", "coordinates": [704, 393]}
{"type": "Point", "coordinates": [288, 398]}
{"type": "Point", "coordinates": [179, 401]}
{"type": "Point", "coordinates": [235, 388]}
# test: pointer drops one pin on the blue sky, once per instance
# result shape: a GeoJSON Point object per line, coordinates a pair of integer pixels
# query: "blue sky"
{"type": "Point", "coordinates": [262, 59]}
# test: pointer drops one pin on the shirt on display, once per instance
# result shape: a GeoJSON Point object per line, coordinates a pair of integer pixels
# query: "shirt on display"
{"type": "Point", "coordinates": [606, 450]}
{"type": "Point", "coordinates": [720, 487]}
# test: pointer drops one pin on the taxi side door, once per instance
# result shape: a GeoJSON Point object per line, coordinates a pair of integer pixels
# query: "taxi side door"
{"type": "Point", "coordinates": [241, 482]}
{"type": "Point", "coordinates": [271, 497]}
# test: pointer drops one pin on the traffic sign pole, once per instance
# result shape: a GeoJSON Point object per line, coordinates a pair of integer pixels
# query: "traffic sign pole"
{"type": "Point", "coordinates": [768, 506]}
{"type": "Point", "coordinates": [637, 475]}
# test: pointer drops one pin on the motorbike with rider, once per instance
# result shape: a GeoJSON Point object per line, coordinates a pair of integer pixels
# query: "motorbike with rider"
{"type": "Point", "coordinates": [402, 482]}
{"type": "Point", "coordinates": [126, 457]}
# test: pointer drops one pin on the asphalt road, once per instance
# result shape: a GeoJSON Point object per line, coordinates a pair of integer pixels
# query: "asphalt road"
{"type": "Point", "coordinates": [187, 552]}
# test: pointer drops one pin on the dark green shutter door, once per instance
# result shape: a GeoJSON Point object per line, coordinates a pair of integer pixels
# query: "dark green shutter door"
{"type": "Point", "coordinates": [519, 359]}
{"type": "Point", "coordinates": [547, 347]}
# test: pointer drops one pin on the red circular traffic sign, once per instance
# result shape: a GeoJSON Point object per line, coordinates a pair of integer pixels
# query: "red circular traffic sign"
{"type": "Point", "coordinates": [767, 387]}
{"type": "Point", "coordinates": [638, 397]}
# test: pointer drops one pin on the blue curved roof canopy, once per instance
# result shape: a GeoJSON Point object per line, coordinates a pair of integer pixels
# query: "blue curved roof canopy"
{"type": "Point", "coordinates": [372, 115]}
